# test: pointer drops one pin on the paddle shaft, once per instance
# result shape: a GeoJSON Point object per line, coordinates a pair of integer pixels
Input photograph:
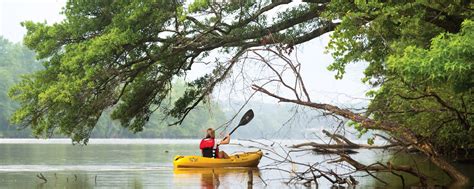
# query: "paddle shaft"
{"type": "Point", "coordinates": [232, 131]}
{"type": "Point", "coordinates": [248, 116]}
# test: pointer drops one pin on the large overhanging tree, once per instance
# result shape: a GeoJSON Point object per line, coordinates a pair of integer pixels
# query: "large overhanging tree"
{"type": "Point", "coordinates": [124, 55]}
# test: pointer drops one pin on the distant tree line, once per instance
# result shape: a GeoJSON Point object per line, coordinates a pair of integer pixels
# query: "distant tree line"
{"type": "Point", "coordinates": [17, 61]}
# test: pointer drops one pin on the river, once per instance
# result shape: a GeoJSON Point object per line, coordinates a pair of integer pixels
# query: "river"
{"type": "Point", "coordinates": [147, 163]}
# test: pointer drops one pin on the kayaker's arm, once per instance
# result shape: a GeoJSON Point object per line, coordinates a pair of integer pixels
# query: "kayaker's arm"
{"type": "Point", "coordinates": [226, 140]}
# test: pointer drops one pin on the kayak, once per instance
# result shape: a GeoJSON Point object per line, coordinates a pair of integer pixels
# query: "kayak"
{"type": "Point", "coordinates": [247, 159]}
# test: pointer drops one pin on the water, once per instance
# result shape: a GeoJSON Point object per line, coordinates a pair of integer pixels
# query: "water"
{"type": "Point", "coordinates": [147, 163]}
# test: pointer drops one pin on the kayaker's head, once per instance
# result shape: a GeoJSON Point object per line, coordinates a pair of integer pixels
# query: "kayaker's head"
{"type": "Point", "coordinates": [210, 133]}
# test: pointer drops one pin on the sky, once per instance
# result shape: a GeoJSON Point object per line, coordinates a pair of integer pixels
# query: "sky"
{"type": "Point", "coordinates": [320, 82]}
{"type": "Point", "coordinates": [13, 12]}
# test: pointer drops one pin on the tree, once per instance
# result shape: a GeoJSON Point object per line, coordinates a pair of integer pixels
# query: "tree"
{"type": "Point", "coordinates": [15, 61]}
{"type": "Point", "coordinates": [431, 90]}
{"type": "Point", "coordinates": [125, 55]}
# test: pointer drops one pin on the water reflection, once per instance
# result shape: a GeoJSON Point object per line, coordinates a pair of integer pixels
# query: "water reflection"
{"type": "Point", "coordinates": [83, 181]}
{"type": "Point", "coordinates": [217, 177]}
{"type": "Point", "coordinates": [72, 181]}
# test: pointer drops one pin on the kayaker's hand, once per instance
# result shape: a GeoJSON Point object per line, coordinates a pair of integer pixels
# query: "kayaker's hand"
{"type": "Point", "coordinates": [226, 140]}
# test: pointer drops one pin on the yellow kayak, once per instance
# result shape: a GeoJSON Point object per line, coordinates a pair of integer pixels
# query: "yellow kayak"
{"type": "Point", "coordinates": [247, 159]}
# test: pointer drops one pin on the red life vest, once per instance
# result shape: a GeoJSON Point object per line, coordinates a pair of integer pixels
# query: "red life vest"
{"type": "Point", "coordinates": [209, 148]}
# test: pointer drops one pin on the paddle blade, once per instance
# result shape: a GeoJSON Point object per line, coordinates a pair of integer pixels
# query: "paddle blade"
{"type": "Point", "coordinates": [248, 116]}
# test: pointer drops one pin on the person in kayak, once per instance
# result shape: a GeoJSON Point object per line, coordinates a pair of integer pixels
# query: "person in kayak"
{"type": "Point", "coordinates": [209, 146]}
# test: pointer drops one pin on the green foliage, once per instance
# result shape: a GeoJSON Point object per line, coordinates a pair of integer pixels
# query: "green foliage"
{"type": "Point", "coordinates": [420, 56]}
{"type": "Point", "coordinates": [15, 61]}
{"type": "Point", "coordinates": [91, 63]}
{"type": "Point", "coordinates": [432, 90]}
{"type": "Point", "coordinates": [450, 59]}
{"type": "Point", "coordinates": [370, 141]}
{"type": "Point", "coordinates": [198, 5]}
{"type": "Point", "coordinates": [367, 31]}
{"type": "Point", "coordinates": [358, 126]}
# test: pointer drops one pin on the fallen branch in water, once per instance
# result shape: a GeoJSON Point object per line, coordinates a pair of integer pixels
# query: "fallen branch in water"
{"type": "Point", "coordinates": [402, 137]}
{"type": "Point", "coordinates": [379, 167]}
{"type": "Point", "coordinates": [342, 146]}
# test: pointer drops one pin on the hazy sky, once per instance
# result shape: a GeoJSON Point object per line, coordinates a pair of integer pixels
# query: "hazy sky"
{"type": "Point", "coordinates": [320, 82]}
{"type": "Point", "coordinates": [12, 12]}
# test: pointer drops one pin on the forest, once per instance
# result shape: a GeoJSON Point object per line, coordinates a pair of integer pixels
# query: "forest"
{"type": "Point", "coordinates": [123, 60]}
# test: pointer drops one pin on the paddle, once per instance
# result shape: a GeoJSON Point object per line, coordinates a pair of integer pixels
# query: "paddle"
{"type": "Point", "coordinates": [248, 116]}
